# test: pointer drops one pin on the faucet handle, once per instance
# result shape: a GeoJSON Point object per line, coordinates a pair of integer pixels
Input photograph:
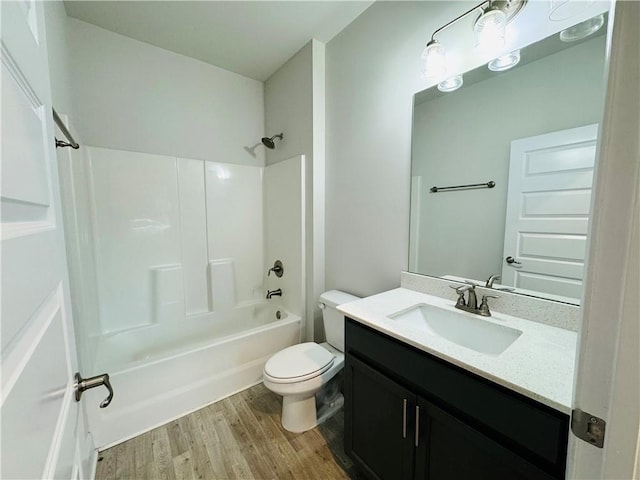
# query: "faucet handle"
{"type": "Point", "coordinates": [277, 268]}
{"type": "Point", "coordinates": [483, 309]}
{"type": "Point", "coordinates": [460, 289]}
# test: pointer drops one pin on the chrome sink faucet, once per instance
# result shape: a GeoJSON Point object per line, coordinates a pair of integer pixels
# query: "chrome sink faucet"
{"type": "Point", "coordinates": [472, 299]}
{"type": "Point", "coordinates": [471, 303]}
{"type": "Point", "coordinates": [494, 278]}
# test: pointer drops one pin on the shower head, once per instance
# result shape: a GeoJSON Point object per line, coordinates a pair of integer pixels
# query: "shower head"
{"type": "Point", "coordinates": [269, 143]}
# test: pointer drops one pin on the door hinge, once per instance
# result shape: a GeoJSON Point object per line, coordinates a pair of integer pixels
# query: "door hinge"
{"type": "Point", "coordinates": [588, 427]}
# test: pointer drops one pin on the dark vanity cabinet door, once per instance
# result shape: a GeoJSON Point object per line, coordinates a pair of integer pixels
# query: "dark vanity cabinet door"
{"type": "Point", "coordinates": [379, 423]}
{"type": "Point", "coordinates": [450, 449]}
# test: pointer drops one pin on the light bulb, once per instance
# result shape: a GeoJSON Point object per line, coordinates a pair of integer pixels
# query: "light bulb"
{"type": "Point", "coordinates": [435, 61]}
{"type": "Point", "coordinates": [582, 29]}
{"type": "Point", "coordinates": [451, 84]}
{"type": "Point", "coordinates": [490, 29]}
{"type": "Point", "coordinates": [504, 62]}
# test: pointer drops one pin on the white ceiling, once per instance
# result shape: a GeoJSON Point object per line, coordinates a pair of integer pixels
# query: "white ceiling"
{"type": "Point", "coordinates": [252, 38]}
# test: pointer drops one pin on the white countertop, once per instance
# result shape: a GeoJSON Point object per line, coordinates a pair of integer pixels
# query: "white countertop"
{"type": "Point", "coordinates": [539, 364]}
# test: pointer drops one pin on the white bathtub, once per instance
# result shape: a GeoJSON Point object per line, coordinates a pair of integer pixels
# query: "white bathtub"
{"type": "Point", "coordinates": [163, 371]}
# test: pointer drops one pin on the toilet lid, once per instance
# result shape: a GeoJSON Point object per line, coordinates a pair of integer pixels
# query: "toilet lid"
{"type": "Point", "coordinates": [299, 362]}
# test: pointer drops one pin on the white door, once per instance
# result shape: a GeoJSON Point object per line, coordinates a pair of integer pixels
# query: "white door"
{"type": "Point", "coordinates": [607, 383]}
{"type": "Point", "coordinates": [548, 203]}
{"type": "Point", "coordinates": [40, 417]}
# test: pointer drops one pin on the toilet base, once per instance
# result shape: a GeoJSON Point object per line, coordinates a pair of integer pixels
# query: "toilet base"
{"type": "Point", "coordinates": [299, 413]}
{"type": "Point", "coordinates": [328, 410]}
{"type": "Point", "coordinates": [303, 412]}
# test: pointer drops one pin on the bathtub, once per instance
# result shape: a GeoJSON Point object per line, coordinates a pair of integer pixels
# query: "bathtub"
{"type": "Point", "coordinates": [163, 371]}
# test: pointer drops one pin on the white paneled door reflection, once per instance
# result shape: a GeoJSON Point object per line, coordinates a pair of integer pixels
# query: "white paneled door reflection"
{"type": "Point", "coordinates": [549, 199]}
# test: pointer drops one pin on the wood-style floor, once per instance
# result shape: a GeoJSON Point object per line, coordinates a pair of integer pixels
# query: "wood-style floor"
{"type": "Point", "coordinates": [239, 437]}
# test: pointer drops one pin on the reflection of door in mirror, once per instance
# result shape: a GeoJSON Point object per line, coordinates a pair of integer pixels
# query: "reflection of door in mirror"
{"type": "Point", "coordinates": [549, 196]}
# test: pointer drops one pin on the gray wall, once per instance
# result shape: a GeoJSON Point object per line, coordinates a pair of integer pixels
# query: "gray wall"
{"type": "Point", "coordinates": [465, 137]}
{"type": "Point", "coordinates": [133, 96]}
{"type": "Point", "coordinates": [294, 105]}
{"type": "Point", "coordinates": [373, 70]}
{"type": "Point", "coordinates": [288, 107]}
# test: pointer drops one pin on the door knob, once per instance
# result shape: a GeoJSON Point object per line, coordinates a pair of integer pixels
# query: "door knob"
{"type": "Point", "coordinates": [512, 261]}
{"type": "Point", "coordinates": [82, 384]}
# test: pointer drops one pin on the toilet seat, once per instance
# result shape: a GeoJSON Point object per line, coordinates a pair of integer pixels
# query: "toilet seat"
{"type": "Point", "coordinates": [298, 363]}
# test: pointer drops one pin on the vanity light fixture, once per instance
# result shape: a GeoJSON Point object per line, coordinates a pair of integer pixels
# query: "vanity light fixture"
{"type": "Point", "coordinates": [435, 60]}
{"type": "Point", "coordinates": [504, 62]}
{"type": "Point", "coordinates": [451, 84]}
{"type": "Point", "coordinates": [489, 29]}
{"type": "Point", "coordinates": [582, 29]}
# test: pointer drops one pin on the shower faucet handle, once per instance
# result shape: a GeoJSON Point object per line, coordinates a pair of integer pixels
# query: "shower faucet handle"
{"type": "Point", "coordinates": [277, 268]}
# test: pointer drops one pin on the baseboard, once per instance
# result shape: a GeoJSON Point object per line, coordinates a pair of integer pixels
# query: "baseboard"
{"type": "Point", "coordinates": [183, 414]}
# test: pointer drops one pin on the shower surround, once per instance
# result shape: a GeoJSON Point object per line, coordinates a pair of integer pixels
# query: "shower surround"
{"type": "Point", "coordinates": [168, 261]}
{"type": "Point", "coordinates": [173, 236]}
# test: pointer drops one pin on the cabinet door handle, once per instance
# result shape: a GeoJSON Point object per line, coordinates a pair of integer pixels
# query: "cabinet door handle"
{"type": "Point", "coordinates": [404, 418]}
{"type": "Point", "coordinates": [417, 425]}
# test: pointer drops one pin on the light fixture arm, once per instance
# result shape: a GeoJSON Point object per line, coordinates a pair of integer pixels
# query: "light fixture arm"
{"type": "Point", "coordinates": [479, 6]}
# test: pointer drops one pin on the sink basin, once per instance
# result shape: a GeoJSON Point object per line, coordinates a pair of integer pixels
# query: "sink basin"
{"type": "Point", "coordinates": [462, 329]}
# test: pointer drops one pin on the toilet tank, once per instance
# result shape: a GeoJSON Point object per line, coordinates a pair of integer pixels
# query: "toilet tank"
{"type": "Point", "coordinates": [333, 319]}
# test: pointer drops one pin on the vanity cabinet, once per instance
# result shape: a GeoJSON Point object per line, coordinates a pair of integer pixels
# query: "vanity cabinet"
{"type": "Point", "coordinates": [410, 415]}
{"type": "Point", "coordinates": [380, 420]}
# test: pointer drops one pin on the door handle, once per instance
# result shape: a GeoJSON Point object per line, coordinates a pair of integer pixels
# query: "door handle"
{"type": "Point", "coordinates": [404, 418]}
{"type": "Point", "coordinates": [512, 261]}
{"type": "Point", "coordinates": [417, 439]}
{"type": "Point", "coordinates": [82, 384]}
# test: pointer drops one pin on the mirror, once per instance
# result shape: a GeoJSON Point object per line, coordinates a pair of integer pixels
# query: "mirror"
{"type": "Point", "coordinates": [531, 130]}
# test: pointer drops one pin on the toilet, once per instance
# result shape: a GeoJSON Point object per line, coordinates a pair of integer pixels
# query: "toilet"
{"type": "Point", "coordinates": [302, 372]}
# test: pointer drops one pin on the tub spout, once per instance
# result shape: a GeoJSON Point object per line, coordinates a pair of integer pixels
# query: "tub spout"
{"type": "Point", "coordinates": [274, 293]}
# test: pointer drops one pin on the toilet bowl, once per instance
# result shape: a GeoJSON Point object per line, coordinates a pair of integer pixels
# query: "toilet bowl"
{"type": "Point", "coordinates": [300, 372]}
